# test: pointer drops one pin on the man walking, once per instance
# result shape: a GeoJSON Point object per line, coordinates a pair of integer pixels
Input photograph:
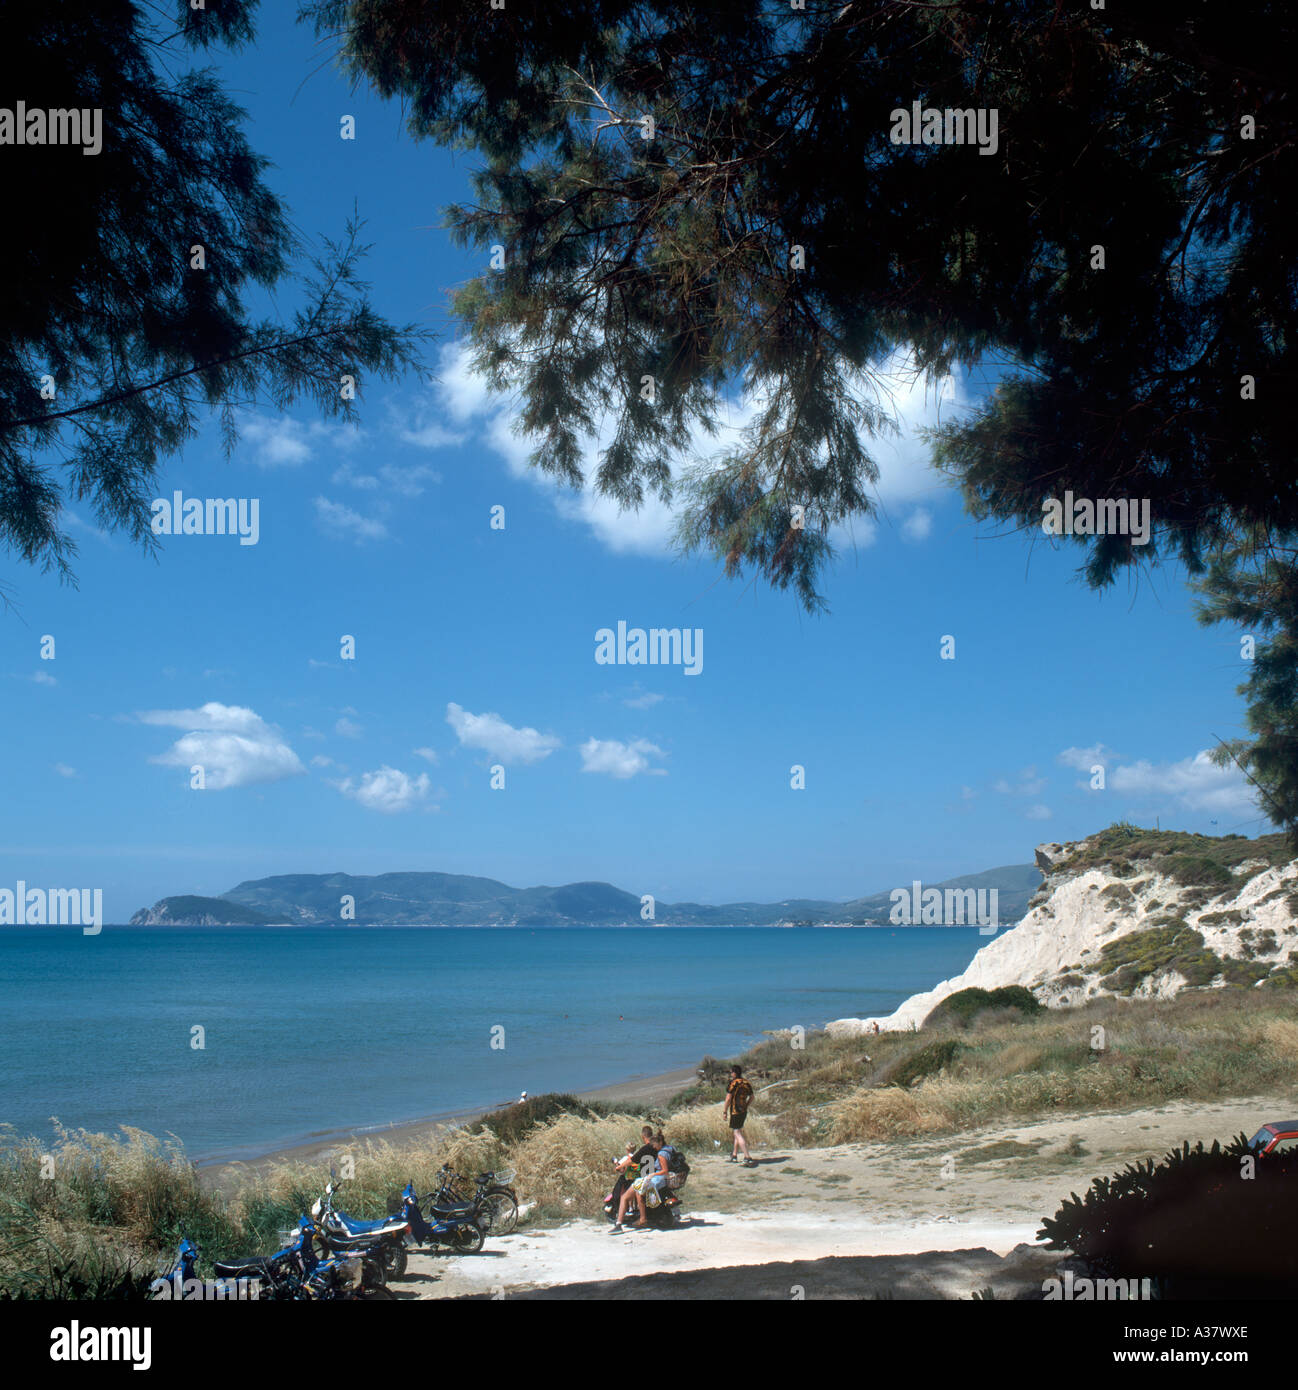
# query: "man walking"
{"type": "Point", "coordinates": [739, 1096]}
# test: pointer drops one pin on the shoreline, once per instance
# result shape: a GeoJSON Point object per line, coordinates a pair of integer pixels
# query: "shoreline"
{"type": "Point", "coordinates": [649, 1089]}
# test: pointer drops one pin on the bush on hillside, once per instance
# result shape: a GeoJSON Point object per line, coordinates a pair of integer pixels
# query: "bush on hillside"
{"type": "Point", "coordinates": [1196, 1222]}
{"type": "Point", "coordinates": [925, 1061]}
{"type": "Point", "coordinates": [514, 1121]}
{"type": "Point", "coordinates": [961, 1008]}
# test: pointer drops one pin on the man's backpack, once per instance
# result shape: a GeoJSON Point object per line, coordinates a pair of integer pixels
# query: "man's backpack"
{"type": "Point", "coordinates": [742, 1096]}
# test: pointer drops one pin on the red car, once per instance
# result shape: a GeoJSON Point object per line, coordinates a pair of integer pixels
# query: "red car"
{"type": "Point", "coordinates": [1280, 1134]}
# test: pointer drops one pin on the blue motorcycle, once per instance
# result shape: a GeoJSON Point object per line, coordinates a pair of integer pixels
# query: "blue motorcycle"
{"type": "Point", "coordinates": [295, 1272]}
{"type": "Point", "coordinates": [456, 1228]}
{"type": "Point", "coordinates": [343, 1234]}
{"type": "Point", "coordinates": [459, 1228]}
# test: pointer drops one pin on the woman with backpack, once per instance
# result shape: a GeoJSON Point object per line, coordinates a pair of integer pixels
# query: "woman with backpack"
{"type": "Point", "coordinates": [739, 1096]}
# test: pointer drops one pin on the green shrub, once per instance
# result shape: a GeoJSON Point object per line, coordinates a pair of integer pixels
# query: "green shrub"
{"type": "Point", "coordinates": [1243, 972]}
{"type": "Point", "coordinates": [510, 1124]}
{"type": "Point", "coordinates": [1188, 1222]}
{"type": "Point", "coordinates": [1191, 869]}
{"type": "Point", "coordinates": [926, 1061]}
{"type": "Point", "coordinates": [962, 1007]}
{"type": "Point", "coordinates": [1141, 954]}
{"type": "Point", "coordinates": [1222, 919]}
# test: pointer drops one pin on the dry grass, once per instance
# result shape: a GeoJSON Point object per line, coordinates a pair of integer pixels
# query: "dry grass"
{"type": "Point", "coordinates": [129, 1198]}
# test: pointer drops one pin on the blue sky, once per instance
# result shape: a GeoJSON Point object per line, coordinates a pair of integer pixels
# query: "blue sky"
{"type": "Point", "coordinates": [476, 647]}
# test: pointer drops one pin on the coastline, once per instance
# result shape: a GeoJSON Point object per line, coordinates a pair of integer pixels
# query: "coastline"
{"type": "Point", "coordinates": [649, 1090]}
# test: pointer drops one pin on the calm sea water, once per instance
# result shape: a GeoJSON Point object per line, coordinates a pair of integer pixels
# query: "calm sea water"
{"type": "Point", "coordinates": [312, 1030]}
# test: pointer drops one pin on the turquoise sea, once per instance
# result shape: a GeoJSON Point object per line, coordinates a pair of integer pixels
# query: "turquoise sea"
{"type": "Point", "coordinates": [307, 1031]}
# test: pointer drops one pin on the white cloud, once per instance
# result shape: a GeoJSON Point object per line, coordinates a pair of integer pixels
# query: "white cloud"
{"type": "Point", "coordinates": [388, 790]}
{"type": "Point", "coordinates": [409, 481]}
{"type": "Point", "coordinates": [321, 761]}
{"type": "Point", "coordinates": [44, 678]}
{"type": "Point", "coordinates": [64, 770]}
{"type": "Point", "coordinates": [282, 442]}
{"type": "Point", "coordinates": [500, 740]}
{"type": "Point", "coordinates": [620, 759]}
{"type": "Point", "coordinates": [905, 473]}
{"type": "Point", "coordinates": [346, 476]}
{"type": "Point", "coordinates": [1029, 784]}
{"type": "Point", "coordinates": [343, 521]}
{"type": "Point", "coordinates": [1038, 813]}
{"type": "Point", "coordinates": [420, 426]}
{"type": "Point", "coordinates": [1193, 784]}
{"type": "Point", "coordinates": [428, 754]}
{"type": "Point", "coordinates": [645, 701]}
{"type": "Point", "coordinates": [233, 744]}
{"type": "Point", "coordinates": [1084, 759]}
{"type": "Point", "coordinates": [348, 729]}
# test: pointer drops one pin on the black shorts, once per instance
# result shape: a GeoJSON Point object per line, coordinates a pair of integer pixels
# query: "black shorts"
{"type": "Point", "coordinates": [737, 1118]}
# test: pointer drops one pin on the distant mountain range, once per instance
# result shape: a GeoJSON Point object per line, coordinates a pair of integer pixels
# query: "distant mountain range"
{"type": "Point", "coordinates": [456, 900]}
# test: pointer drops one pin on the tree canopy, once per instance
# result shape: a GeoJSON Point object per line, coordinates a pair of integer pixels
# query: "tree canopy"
{"type": "Point", "coordinates": [114, 341]}
{"type": "Point", "coordinates": [711, 197]}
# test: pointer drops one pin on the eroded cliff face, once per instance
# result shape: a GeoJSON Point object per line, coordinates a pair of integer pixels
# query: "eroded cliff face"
{"type": "Point", "coordinates": [1133, 926]}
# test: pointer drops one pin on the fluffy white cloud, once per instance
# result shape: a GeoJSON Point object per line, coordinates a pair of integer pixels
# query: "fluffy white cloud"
{"type": "Point", "coordinates": [341, 520]}
{"type": "Point", "coordinates": [234, 746]}
{"type": "Point", "coordinates": [905, 474]}
{"type": "Point", "coordinates": [281, 442]}
{"type": "Point", "coordinates": [1037, 813]}
{"type": "Point", "coordinates": [1193, 784]}
{"type": "Point", "coordinates": [346, 728]}
{"type": "Point", "coordinates": [620, 759]}
{"type": "Point", "coordinates": [427, 754]}
{"type": "Point", "coordinates": [1084, 759]}
{"type": "Point", "coordinates": [498, 739]}
{"type": "Point", "coordinates": [64, 770]}
{"type": "Point", "coordinates": [388, 790]}
{"type": "Point", "coordinates": [645, 701]}
{"type": "Point", "coordinates": [44, 678]}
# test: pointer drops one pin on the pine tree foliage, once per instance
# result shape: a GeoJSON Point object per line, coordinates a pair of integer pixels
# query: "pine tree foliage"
{"type": "Point", "coordinates": [1120, 265]}
{"type": "Point", "coordinates": [100, 296]}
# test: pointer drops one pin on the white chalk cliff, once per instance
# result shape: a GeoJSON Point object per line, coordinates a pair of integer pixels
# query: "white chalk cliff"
{"type": "Point", "coordinates": [1250, 926]}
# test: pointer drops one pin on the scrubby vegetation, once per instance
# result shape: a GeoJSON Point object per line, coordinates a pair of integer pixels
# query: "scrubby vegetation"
{"type": "Point", "coordinates": [1142, 956]}
{"type": "Point", "coordinates": [966, 1005]}
{"type": "Point", "coordinates": [1190, 1223]}
{"type": "Point", "coordinates": [106, 1212]}
{"type": "Point", "coordinates": [1187, 858]}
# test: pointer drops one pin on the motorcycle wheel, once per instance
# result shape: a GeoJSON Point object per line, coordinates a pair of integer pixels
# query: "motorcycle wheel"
{"type": "Point", "coordinates": [376, 1291]}
{"type": "Point", "coordinates": [502, 1206]}
{"type": "Point", "coordinates": [393, 1259]}
{"type": "Point", "coordinates": [468, 1239]}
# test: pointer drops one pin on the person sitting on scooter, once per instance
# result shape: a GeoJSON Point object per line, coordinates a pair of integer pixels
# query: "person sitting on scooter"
{"type": "Point", "coordinates": [655, 1181]}
{"type": "Point", "coordinates": [632, 1161]}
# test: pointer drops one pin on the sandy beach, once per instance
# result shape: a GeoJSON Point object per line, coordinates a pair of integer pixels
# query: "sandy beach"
{"type": "Point", "coordinates": [919, 1218]}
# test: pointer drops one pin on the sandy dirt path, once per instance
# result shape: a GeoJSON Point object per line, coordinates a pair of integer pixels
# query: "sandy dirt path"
{"type": "Point", "coordinates": [982, 1192]}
